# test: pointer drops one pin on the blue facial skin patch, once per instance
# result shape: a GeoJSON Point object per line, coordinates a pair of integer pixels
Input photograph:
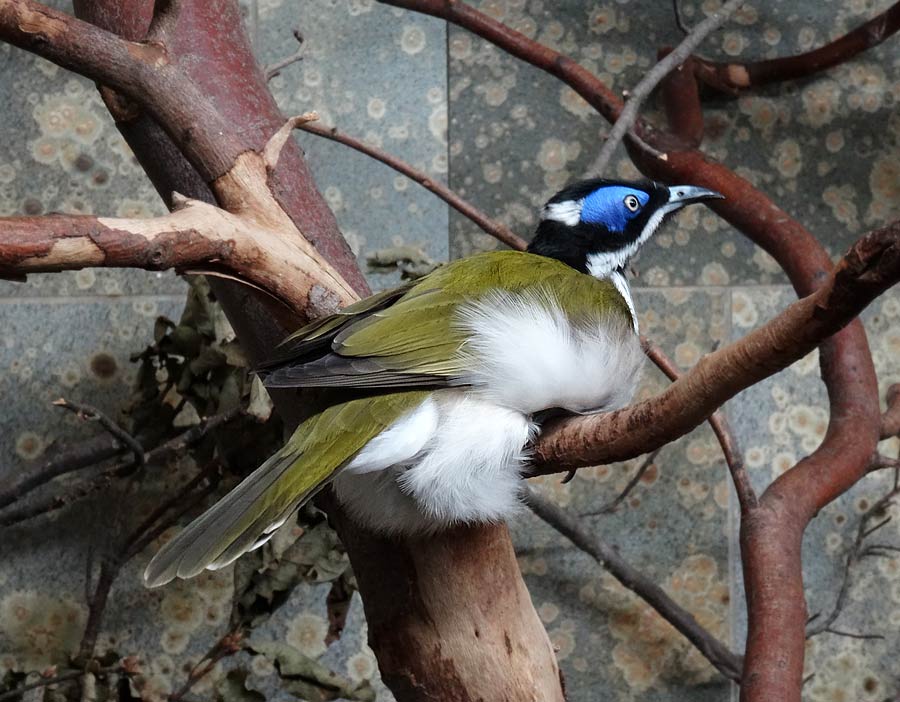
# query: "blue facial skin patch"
{"type": "Point", "coordinates": [606, 206]}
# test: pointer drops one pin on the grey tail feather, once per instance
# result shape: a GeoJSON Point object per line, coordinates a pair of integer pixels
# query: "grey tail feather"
{"type": "Point", "coordinates": [203, 544]}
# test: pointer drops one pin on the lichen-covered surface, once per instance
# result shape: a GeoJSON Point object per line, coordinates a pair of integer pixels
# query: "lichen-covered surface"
{"type": "Point", "coordinates": [826, 148]}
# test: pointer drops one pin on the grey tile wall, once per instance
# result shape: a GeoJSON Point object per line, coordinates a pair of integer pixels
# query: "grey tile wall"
{"type": "Point", "coordinates": [505, 136]}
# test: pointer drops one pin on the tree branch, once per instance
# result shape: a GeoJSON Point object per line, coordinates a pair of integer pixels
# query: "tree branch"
{"type": "Point", "coordinates": [581, 80]}
{"type": "Point", "coordinates": [717, 421]}
{"type": "Point", "coordinates": [164, 452]}
{"type": "Point", "coordinates": [183, 499]}
{"type": "Point", "coordinates": [632, 483]}
{"type": "Point", "coordinates": [198, 237]}
{"type": "Point", "coordinates": [890, 420]}
{"type": "Point", "coordinates": [91, 413]}
{"type": "Point", "coordinates": [17, 693]}
{"type": "Point", "coordinates": [868, 269]}
{"type": "Point", "coordinates": [726, 662]}
{"type": "Point", "coordinates": [275, 68]}
{"type": "Point", "coordinates": [142, 71]}
{"type": "Point", "coordinates": [857, 551]}
{"type": "Point", "coordinates": [733, 78]}
{"type": "Point", "coordinates": [67, 460]}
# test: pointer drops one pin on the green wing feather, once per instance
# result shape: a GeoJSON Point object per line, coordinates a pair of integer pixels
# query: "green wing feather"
{"type": "Point", "coordinates": [408, 337]}
{"type": "Point", "coordinates": [267, 497]}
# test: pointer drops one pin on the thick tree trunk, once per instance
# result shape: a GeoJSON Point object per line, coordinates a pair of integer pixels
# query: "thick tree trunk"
{"type": "Point", "coordinates": [476, 630]}
{"type": "Point", "coordinates": [450, 617]}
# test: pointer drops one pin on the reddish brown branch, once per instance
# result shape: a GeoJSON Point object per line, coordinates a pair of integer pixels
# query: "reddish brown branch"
{"type": "Point", "coordinates": [869, 268]}
{"type": "Point", "coordinates": [490, 226]}
{"type": "Point", "coordinates": [727, 663]}
{"type": "Point", "coordinates": [681, 100]}
{"type": "Point", "coordinates": [581, 80]}
{"type": "Point", "coordinates": [733, 78]}
{"type": "Point", "coordinates": [629, 114]}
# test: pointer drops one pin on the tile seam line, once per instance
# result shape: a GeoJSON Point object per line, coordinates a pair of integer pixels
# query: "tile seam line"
{"type": "Point", "coordinates": [82, 299]}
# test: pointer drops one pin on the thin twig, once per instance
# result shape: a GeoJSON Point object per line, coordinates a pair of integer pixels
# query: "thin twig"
{"type": "Point", "coordinates": [161, 453]}
{"type": "Point", "coordinates": [613, 505]}
{"type": "Point", "coordinates": [183, 500]}
{"type": "Point", "coordinates": [228, 645]}
{"type": "Point", "coordinates": [746, 495]}
{"type": "Point", "coordinates": [67, 460]}
{"type": "Point", "coordinates": [679, 20]}
{"type": "Point", "coordinates": [857, 551]}
{"type": "Point", "coordinates": [274, 69]}
{"type": "Point", "coordinates": [651, 79]}
{"type": "Point", "coordinates": [851, 635]}
{"type": "Point", "coordinates": [490, 226]}
{"type": "Point", "coordinates": [91, 413]}
{"type": "Point", "coordinates": [724, 660]}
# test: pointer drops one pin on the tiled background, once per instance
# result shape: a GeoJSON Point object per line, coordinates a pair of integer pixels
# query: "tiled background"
{"type": "Point", "coordinates": [506, 136]}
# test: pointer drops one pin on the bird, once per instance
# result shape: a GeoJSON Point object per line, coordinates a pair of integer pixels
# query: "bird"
{"type": "Point", "coordinates": [451, 375]}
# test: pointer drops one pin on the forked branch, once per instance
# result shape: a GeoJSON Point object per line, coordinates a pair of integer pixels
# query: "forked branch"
{"type": "Point", "coordinates": [198, 237]}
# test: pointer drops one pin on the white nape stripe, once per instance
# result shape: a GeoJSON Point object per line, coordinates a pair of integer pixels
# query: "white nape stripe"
{"type": "Point", "coordinates": [568, 212]}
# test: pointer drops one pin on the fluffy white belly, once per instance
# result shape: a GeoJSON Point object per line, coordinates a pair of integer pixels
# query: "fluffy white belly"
{"type": "Point", "coordinates": [458, 456]}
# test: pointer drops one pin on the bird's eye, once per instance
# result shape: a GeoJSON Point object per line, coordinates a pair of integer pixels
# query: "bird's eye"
{"type": "Point", "coordinates": [631, 202]}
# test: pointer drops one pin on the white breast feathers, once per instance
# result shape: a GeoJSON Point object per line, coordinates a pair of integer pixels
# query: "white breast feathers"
{"type": "Point", "coordinates": [458, 456]}
{"type": "Point", "coordinates": [525, 353]}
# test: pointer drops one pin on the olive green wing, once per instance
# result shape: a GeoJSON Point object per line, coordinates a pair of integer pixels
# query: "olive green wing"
{"type": "Point", "coordinates": [414, 340]}
{"type": "Point", "coordinates": [316, 336]}
{"type": "Point", "coordinates": [250, 513]}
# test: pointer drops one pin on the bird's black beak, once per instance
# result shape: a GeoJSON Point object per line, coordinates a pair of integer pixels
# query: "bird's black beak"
{"type": "Point", "coordinates": [681, 195]}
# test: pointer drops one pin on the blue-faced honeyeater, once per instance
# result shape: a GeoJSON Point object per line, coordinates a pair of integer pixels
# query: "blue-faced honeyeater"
{"type": "Point", "coordinates": [456, 369]}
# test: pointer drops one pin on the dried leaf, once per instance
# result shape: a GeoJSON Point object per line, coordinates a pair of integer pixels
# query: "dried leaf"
{"type": "Point", "coordinates": [233, 688]}
{"type": "Point", "coordinates": [307, 678]}
{"type": "Point", "coordinates": [260, 403]}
